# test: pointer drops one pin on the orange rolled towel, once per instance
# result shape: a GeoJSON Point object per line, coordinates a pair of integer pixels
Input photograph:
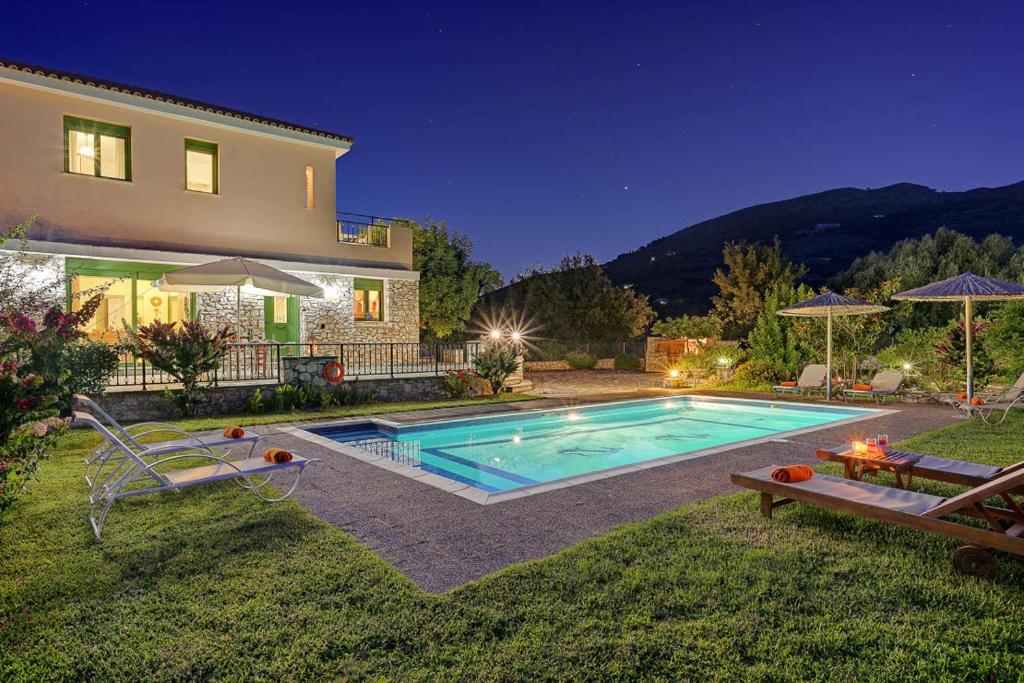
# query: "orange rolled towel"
{"type": "Point", "coordinates": [787, 384]}
{"type": "Point", "coordinates": [862, 387]}
{"type": "Point", "coordinates": [233, 432]}
{"type": "Point", "coordinates": [977, 401]}
{"type": "Point", "coordinates": [962, 396]}
{"type": "Point", "coordinates": [791, 474]}
{"type": "Point", "coordinates": [277, 456]}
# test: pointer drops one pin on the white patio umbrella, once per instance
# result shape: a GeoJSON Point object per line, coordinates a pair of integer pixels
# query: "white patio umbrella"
{"type": "Point", "coordinates": [826, 305]}
{"type": "Point", "coordinates": [257, 278]}
{"type": "Point", "coordinates": [966, 288]}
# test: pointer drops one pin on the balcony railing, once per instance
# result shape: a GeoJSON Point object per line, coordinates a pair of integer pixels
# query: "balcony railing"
{"type": "Point", "coordinates": [358, 228]}
{"type": "Point", "coordinates": [264, 362]}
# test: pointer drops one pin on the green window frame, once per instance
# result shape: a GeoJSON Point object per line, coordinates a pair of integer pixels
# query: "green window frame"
{"type": "Point", "coordinates": [361, 292]}
{"type": "Point", "coordinates": [96, 129]}
{"type": "Point", "coordinates": [202, 147]}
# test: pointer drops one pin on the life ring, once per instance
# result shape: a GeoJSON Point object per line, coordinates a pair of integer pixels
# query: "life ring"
{"type": "Point", "coordinates": [334, 371]}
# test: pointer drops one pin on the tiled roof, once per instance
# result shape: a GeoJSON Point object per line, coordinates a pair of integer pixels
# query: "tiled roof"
{"type": "Point", "coordinates": [158, 96]}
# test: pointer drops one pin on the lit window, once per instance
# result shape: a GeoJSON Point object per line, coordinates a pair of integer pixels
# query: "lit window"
{"type": "Point", "coordinates": [97, 149]}
{"type": "Point", "coordinates": [280, 310]}
{"type": "Point", "coordinates": [200, 166]}
{"type": "Point", "coordinates": [309, 187]}
{"type": "Point", "coordinates": [369, 299]}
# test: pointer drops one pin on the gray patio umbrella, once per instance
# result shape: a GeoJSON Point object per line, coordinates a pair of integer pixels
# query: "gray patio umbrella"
{"type": "Point", "coordinates": [826, 305]}
{"type": "Point", "coordinates": [237, 272]}
{"type": "Point", "coordinates": [968, 288]}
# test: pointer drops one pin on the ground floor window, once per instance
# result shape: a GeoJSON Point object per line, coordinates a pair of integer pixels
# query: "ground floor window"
{"type": "Point", "coordinates": [369, 299]}
{"type": "Point", "coordinates": [129, 297]}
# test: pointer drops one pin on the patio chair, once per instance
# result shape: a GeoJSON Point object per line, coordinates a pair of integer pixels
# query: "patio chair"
{"type": "Point", "coordinates": [993, 403]}
{"type": "Point", "coordinates": [138, 472]}
{"type": "Point", "coordinates": [962, 472]}
{"type": "Point", "coordinates": [811, 379]}
{"type": "Point", "coordinates": [913, 510]}
{"type": "Point", "coordinates": [883, 385]}
{"type": "Point", "coordinates": [107, 452]}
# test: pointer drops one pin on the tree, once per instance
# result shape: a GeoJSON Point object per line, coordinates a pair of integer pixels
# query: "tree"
{"type": "Point", "coordinates": [450, 281]}
{"type": "Point", "coordinates": [750, 271]}
{"type": "Point", "coordinates": [689, 327]}
{"type": "Point", "coordinates": [575, 302]}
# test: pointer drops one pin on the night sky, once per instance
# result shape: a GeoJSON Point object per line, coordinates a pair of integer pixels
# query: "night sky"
{"type": "Point", "coordinates": [541, 129]}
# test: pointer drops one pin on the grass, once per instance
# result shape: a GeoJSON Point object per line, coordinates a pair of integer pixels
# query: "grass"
{"type": "Point", "coordinates": [213, 584]}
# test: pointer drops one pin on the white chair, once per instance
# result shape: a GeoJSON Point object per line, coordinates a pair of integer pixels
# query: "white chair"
{"type": "Point", "coordinates": [883, 385]}
{"type": "Point", "coordinates": [106, 452]}
{"type": "Point", "coordinates": [137, 472]}
{"type": "Point", "coordinates": [811, 379]}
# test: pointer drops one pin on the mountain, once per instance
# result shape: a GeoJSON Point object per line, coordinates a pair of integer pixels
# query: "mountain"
{"type": "Point", "coordinates": [825, 231]}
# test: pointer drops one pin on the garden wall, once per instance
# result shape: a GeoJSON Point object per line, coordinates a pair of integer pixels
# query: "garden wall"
{"type": "Point", "coordinates": [544, 365]}
{"type": "Point", "coordinates": [137, 406]}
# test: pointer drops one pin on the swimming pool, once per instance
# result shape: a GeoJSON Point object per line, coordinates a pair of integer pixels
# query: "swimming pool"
{"type": "Point", "coordinates": [489, 456]}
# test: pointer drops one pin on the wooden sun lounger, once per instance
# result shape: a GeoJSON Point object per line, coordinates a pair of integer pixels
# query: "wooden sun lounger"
{"type": "Point", "coordinates": [912, 510]}
{"type": "Point", "coordinates": [962, 472]}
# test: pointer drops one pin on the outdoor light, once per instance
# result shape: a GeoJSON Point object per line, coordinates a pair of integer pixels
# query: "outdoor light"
{"type": "Point", "coordinates": [572, 417]}
{"type": "Point", "coordinates": [723, 361]}
{"type": "Point", "coordinates": [516, 336]}
{"type": "Point", "coordinates": [908, 366]}
{"type": "Point", "coordinates": [495, 334]}
{"type": "Point", "coordinates": [86, 151]}
{"type": "Point", "coordinates": [331, 292]}
{"type": "Point", "coordinates": [516, 439]}
{"type": "Point", "coordinates": [669, 405]}
{"type": "Point", "coordinates": [673, 373]}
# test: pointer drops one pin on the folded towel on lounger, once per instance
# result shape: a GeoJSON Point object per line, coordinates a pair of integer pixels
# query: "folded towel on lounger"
{"type": "Point", "coordinates": [278, 456]}
{"type": "Point", "coordinates": [233, 432]}
{"type": "Point", "coordinates": [862, 387]}
{"type": "Point", "coordinates": [791, 474]}
{"type": "Point", "coordinates": [787, 384]}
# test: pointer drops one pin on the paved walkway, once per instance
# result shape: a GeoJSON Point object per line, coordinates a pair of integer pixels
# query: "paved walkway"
{"type": "Point", "coordinates": [442, 541]}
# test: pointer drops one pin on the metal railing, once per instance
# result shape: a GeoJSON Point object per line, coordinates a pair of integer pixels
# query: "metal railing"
{"type": "Point", "coordinates": [358, 228]}
{"type": "Point", "coordinates": [269, 361]}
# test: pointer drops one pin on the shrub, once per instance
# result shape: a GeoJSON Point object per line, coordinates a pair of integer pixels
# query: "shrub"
{"type": "Point", "coordinates": [92, 364]}
{"type": "Point", "coordinates": [1005, 339]}
{"type": "Point", "coordinates": [759, 372]}
{"type": "Point", "coordinates": [579, 360]}
{"type": "Point", "coordinates": [348, 394]}
{"type": "Point", "coordinates": [462, 383]}
{"type": "Point", "coordinates": [287, 397]}
{"type": "Point", "coordinates": [689, 327]}
{"type": "Point", "coordinates": [627, 361]}
{"type": "Point", "coordinates": [185, 352]}
{"type": "Point", "coordinates": [494, 365]}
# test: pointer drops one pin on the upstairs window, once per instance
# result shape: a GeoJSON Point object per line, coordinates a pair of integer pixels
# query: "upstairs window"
{"type": "Point", "coordinates": [201, 166]}
{"type": "Point", "coordinates": [97, 149]}
{"type": "Point", "coordinates": [369, 299]}
{"type": "Point", "coordinates": [309, 187]}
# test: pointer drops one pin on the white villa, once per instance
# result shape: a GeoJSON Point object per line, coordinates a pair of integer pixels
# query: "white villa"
{"type": "Point", "coordinates": [128, 183]}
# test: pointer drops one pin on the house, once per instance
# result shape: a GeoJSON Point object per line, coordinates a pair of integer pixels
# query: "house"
{"type": "Point", "coordinates": [128, 183]}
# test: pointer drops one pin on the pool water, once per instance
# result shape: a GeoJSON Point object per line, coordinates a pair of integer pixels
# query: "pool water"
{"type": "Point", "coordinates": [507, 452]}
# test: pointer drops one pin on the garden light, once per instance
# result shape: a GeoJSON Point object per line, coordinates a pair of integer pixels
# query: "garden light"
{"type": "Point", "coordinates": [495, 334]}
{"type": "Point", "coordinates": [723, 361]}
{"type": "Point", "coordinates": [908, 366]}
{"type": "Point", "coordinates": [673, 373]}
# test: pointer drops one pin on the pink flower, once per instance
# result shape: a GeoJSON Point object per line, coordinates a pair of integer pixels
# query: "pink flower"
{"type": "Point", "coordinates": [26, 404]}
{"type": "Point", "coordinates": [8, 367]}
{"type": "Point", "coordinates": [40, 429]}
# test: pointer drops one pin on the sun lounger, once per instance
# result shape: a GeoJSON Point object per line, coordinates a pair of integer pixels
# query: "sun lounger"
{"type": "Point", "coordinates": [992, 405]}
{"type": "Point", "coordinates": [885, 384]}
{"type": "Point", "coordinates": [107, 453]}
{"type": "Point", "coordinates": [913, 510]}
{"type": "Point", "coordinates": [140, 472]}
{"type": "Point", "coordinates": [811, 379]}
{"type": "Point", "coordinates": [962, 472]}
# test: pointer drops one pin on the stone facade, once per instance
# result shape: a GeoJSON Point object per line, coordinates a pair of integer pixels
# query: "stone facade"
{"type": "Point", "coordinates": [330, 320]}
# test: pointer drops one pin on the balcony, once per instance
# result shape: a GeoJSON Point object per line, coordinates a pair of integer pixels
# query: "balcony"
{"type": "Point", "coordinates": [370, 231]}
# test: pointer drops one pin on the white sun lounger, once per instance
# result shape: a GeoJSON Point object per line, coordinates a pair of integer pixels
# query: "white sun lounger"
{"type": "Point", "coordinates": [811, 379]}
{"type": "Point", "coordinates": [883, 385]}
{"type": "Point", "coordinates": [993, 403]}
{"type": "Point", "coordinates": [143, 472]}
{"type": "Point", "coordinates": [107, 453]}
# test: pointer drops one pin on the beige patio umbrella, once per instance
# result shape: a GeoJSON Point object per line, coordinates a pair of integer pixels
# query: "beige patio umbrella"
{"type": "Point", "coordinates": [826, 305]}
{"type": "Point", "coordinates": [257, 278]}
{"type": "Point", "coordinates": [966, 288]}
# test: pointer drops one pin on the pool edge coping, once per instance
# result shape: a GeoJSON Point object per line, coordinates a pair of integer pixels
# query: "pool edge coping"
{"type": "Point", "coordinates": [482, 497]}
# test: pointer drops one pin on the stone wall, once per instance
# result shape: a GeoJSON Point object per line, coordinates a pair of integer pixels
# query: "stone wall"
{"type": "Point", "coordinates": [219, 309]}
{"type": "Point", "coordinates": [39, 274]}
{"type": "Point", "coordinates": [325, 321]}
{"type": "Point", "coordinates": [138, 406]}
{"type": "Point", "coordinates": [332, 319]}
{"type": "Point", "coordinates": [543, 365]}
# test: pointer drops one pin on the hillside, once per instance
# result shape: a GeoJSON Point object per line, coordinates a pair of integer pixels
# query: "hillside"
{"type": "Point", "coordinates": [824, 231]}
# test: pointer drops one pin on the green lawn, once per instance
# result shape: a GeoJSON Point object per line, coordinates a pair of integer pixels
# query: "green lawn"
{"type": "Point", "coordinates": [214, 584]}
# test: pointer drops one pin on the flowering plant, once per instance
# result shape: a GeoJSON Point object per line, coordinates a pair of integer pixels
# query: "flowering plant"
{"type": "Point", "coordinates": [462, 383]}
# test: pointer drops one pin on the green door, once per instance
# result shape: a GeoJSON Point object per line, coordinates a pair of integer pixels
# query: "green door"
{"type": "Point", "coordinates": [281, 319]}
